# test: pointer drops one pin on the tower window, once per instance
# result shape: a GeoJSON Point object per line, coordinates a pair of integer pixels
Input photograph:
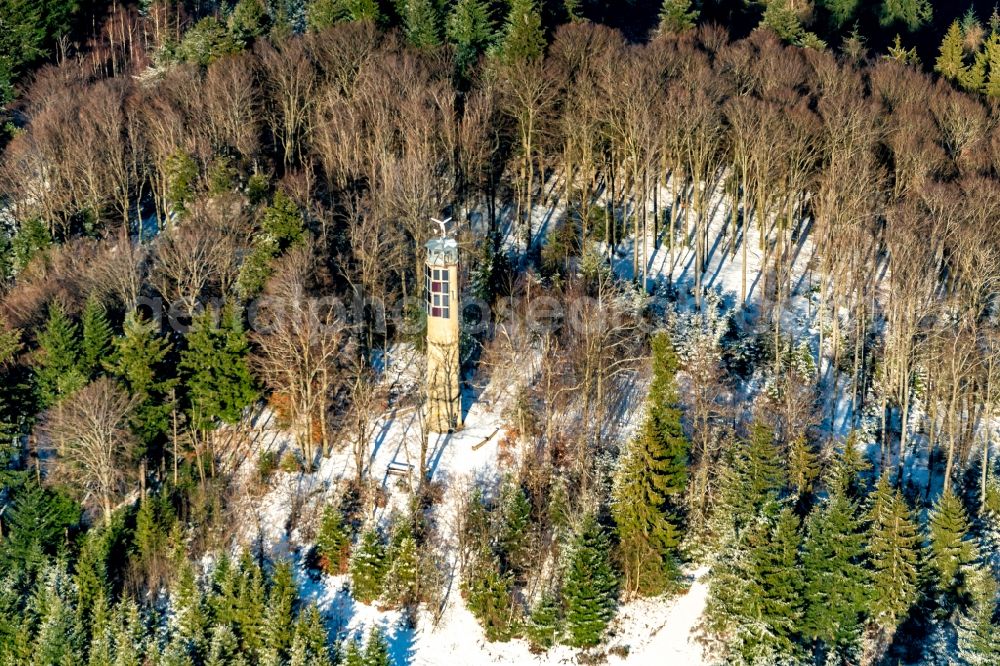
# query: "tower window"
{"type": "Point", "coordinates": [436, 288]}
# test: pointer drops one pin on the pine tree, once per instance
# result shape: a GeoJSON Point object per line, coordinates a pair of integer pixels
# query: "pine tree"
{"type": "Point", "coordinates": [37, 522]}
{"type": "Point", "coordinates": [992, 51]}
{"type": "Point", "coordinates": [976, 626]}
{"type": "Point", "coordinates": [251, 605]}
{"type": "Point", "coordinates": [368, 568]}
{"type": "Point", "coordinates": [835, 581]}
{"type": "Point", "coordinates": [215, 369]}
{"type": "Point", "coordinates": [309, 647]}
{"type": "Point", "coordinates": [58, 374]}
{"type": "Point", "coordinates": [651, 478]}
{"type": "Point", "coordinates": [470, 28]}
{"type": "Point", "coordinates": [973, 79]}
{"type": "Point", "coordinates": [950, 549]}
{"type": "Point", "coordinates": [545, 623]}
{"type": "Point", "coordinates": [223, 646]}
{"type": "Point", "coordinates": [139, 361]}
{"type": "Point", "coordinates": [802, 467]}
{"type": "Point", "coordinates": [893, 550]}
{"type": "Point", "coordinates": [189, 616]}
{"type": "Point", "coordinates": [96, 343]}
{"type": "Point", "coordinates": [279, 623]}
{"type": "Point", "coordinates": [487, 592]}
{"type": "Point", "coordinates": [333, 542]}
{"type": "Point", "coordinates": [420, 23]}
{"type": "Point", "coordinates": [514, 516]}
{"type": "Point", "coordinates": [841, 11]}
{"type": "Point", "coordinates": [755, 591]}
{"type": "Point", "coordinates": [677, 16]}
{"type": "Point", "coordinates": [590, 587]}
{"type": "Point", "coordinates": [57, 640]}
{"type": "Point", "coordinates": [352, 654]}
{"type": "Point", "coordinates": [911, 13]}
{"type": "Point", "coordinates": [402, 577]}
{"type": "Point", "coordinates": [949, 63]}
{"type": "Point", "coordinates": [523, 37]}
{"type": "Point", "coordinates": [377, 649]}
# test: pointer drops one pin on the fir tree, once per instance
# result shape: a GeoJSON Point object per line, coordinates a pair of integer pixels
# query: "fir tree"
{"type": "Point", "coordinates": [973, 79]}
{"type": "Point", "coordinates": [223, 646]}
{"type": "Point", "coordinates": [783, 20]}
{"type": "Point", "coordinates": [96, 343]}
{"type": "Point", "coordinates": [487, 592]}
{"type": "Point", "coordinates": [949, 63]}
{"type": "Point", "coordinates": [32, 239]}
{"type": "Point", "coordinates": [545, 624]}
{"type": "Point", "coordinates": [352, 654]}
{"type": "Point", "coordinates": [377, 649]}
{"type": "Point", "coordinates": [755, 591]}
{"type": "Point", "coordinates": [333, 541]}
{"type": "Point", "coordinates": [368, 568]}
{"type": "Point", "coordinates": [977, 627]}
{"type": "Point", "coordinates": [283, 222]}
{"type": "Point", "coordinates": [992, 53]}
{"type": "Point", "coordinates": [677, 16]}
{"type": "Point", "coordinates": [523, 37]}
{"type": "Point", "coordinates": [279, 623]}
{"type": "Point", "coordinates": [216, 370]}
{"type": "Point", "coordinates": [950, 548]}
{"type": "Point", "coordinates": [420, 23]}
{"type": "Point", "coordinates": [911, 13]}
{"type": "Point", "coordinates": [140, 362]}
{"type": "Point", "coordinates": [58, 373]}
{"type": "Point", "coordinates": [803, 467]}
{"type": "Point", "coordinates": [651, 478]}
{"type": "Point", "coordinates": [37, 522]}
{"type": "Point", "coordinates": [470, 28]}
{"type": "Point", "coordinates": [514, 517]}
{"type": "Point", "coordinates": [893, 550]}
{"type": "Point", "coordinates": [248, 21]}
{"type": "Point", "coordinates": [57, 640]}
{"type": "Point", "coordinates": [834, 579]}
{"type": "Point", "coordinates": [590, 587]}
{"type": "Point", "coordinates": [402, 577]}
{"type": "Point", "coordinates": [841, 11]}
{"type": "Point", "coordinates": [251, 605]}
{"type": "Point", "coordinates": [309, 647]}
{"type": "Point", "coordinates": [189, 616]}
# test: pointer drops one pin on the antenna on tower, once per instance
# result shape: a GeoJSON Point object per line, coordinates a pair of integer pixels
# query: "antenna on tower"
{"type": "Point", "coordinates": [443, 224]}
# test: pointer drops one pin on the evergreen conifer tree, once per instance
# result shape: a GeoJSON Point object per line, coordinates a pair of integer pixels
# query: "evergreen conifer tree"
{"type": "Point", "coordinates": [514, 517]}
{"type": "Point", "coordinates": [352, 654]}
{"type": "Point", "coordinates": [368, 568]}
{"type": "Point", "coordinates": [950, 61]}
{"type": "Point", "coordinates": [841, 11]}
{"type": "Point", "coordinates": [420, 22]}
{"type": "Point", "coordinates": [650, 481]}
{"type": "Point", "coordinates": [545, 624]}
{"type": "Point", "coordinates": [37, 524]}
{"type": "Point", "coordinates": [139, 361]}
{"type": "Point", "coordinates": [333, 541]}
{"type": "Point", "coordinates": [215, 369]}
{"type": "Point", "coordinates": [223, 647]}
{"type": "Point", "coordinates": [58, 373]}
{"type": "Point", "coordinates": [992, 54]}
{"type": "Point", "coordinates": [377, 649]}
{"type": "Point", "coordinates": [487, 592]}
{"type": "Point", "coordinates": [950, 548]}
{"type": "Point", "coordinates": [911, 13]}
{"type": "Point", "coordinates": [470, 28]}
{"type": "Point", "coordinates": [57, 640]}
{"type": "Point", "coordinates": [677, 16]}
{"type": "Point", "coordinates": [96, 343]}
{"type": "Point", "coordinates": [523, 37]}
{"type": "Point", "coordinates": [973, 79]}
{"type": "Point", "coordinates": [279, 623]}
{"type": "Point", "coordinates": [893, 552]}
{"type": "Point", "coordinates": [802, 467]}
{"type": "Point", "coordinates": [977, 627]}
{"type": "Point", "coordinates": [251, 607]}
{"type": "Point", "coordinates": [400, 587]}
{"type": "Point", "coordinates": [590, 588]}
{"type": "Point", "coordinates": [835, 581]}
{"type": "Point", "coordinates": [310, 645]}
{"type": "Point", "coordinates": [248, 21]}
{"type": "Point", "coordinates": [189, 615]}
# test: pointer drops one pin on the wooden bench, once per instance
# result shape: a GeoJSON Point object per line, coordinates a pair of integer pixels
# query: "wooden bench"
{"type": "Point", "coordinates": [399, 468]}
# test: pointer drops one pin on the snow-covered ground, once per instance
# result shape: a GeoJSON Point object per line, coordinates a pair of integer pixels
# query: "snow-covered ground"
{"type": "Point", "coordinates": [651, 631]}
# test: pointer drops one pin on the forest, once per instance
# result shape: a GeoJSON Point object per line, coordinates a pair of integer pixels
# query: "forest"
{"type": "Point", "coordinates": [730, 349]}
